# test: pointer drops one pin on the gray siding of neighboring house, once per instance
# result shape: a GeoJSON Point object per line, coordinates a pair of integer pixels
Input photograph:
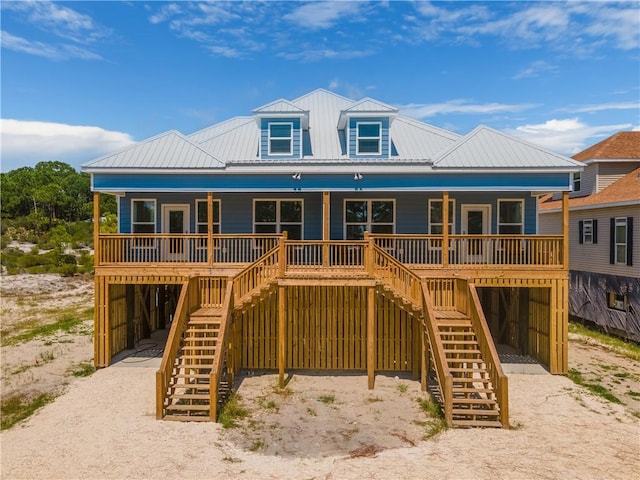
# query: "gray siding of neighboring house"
{"type": "Point", "coordinates": [609, 173]}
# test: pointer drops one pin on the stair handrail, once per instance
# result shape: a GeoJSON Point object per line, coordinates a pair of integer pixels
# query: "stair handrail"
{"type": "Point", "coordinates": [443, 374]}
{"type": "Point", "coordinates": [251, 277]}
{"type": "Point", "coordinates": [489, 354]}
{"type": "Point", "coordinates": [184, 308]}
{"type": "Point", "coordinates": [396, 275]}
{"type": "Point", "coordinates": [221, 347]}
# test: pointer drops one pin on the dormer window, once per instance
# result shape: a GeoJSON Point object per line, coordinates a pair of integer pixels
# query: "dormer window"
{"type": "Point", "coordinates": [369, 138]}
{"type": "Point", "coordinates": [280, 138]}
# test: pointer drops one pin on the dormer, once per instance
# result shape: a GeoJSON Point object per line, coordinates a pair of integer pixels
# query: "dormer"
{"type": "Point", "coordinates": [366, 128]}
{"type": "Point", "coordinates": [281, 125]}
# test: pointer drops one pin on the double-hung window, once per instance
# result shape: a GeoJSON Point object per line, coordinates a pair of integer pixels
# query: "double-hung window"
{"type": "Point", "coordinates": [277, 216]}
{"type": "Point", "coordinates": [510, 217]}
{"type": "Point", "coordinates": [435, 216]}
{"type": "Point", "coordinates": [621, 239]}
{"type": "Point", "coordinates": [588, 231]}
{"type": "Point", "coordinates": [369, 138]}
{"type": "Point", "coordinates": [280, 138]}
{"type": "Point", "coordinates": [375, 216]}
{"type": "Point", "coordinates": [577, 181]}
{"type": "Point", "coordinates": [202, 217]}
{"type": "Point", "coordinates": [143, 216]}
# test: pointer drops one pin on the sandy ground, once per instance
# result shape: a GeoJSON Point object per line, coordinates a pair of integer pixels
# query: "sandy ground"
{"type": "Point", "coordinates": [321, 427]}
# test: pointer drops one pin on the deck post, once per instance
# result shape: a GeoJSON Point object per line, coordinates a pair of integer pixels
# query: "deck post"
{"type": "Point", "coordinates": [96, 228]}
{"type": "Point", "coordinates": [209, 228]}
{"type": "Point", "coordinates": [565, 230]}
{"type": "Point", "coordinates": [445, 229]}
{"type": "Point", "coordinates": [326, 206]}
{"type": "Point", "coordinates": [282, 330]}
{"type": "Point", "coordinates": [368, 253]}
{"type": "Point", "coordinates": [283, 254]}
{"type": "Point", "coordinates": [425, 359]}
{"type": "Point", "coordinates": [371, 336]}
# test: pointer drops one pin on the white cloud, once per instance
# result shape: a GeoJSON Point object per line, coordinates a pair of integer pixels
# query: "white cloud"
{"type": "Point", "coordinates": [41, 49]}
{"type": "Point", "coordinates": [568, 136]}
{"type": "Point", "coordinates": [29, 142]}
{"type": "Point", "coordinates": [426, 110]}
{"type": "Point", "coordinates": [322, 15]}
{"type": "Point", "coordinates": [308, 55]}
{"type": "Point", "coordinates": [535, 70]}
{"type": "Point", "coordinates": [605, 106]}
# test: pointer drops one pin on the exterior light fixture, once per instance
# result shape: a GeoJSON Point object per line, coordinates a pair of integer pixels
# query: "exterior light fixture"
{"type": "Point", "coordinates": [296, 176]}
{"type": "Point", "coordinates": [357, 176]}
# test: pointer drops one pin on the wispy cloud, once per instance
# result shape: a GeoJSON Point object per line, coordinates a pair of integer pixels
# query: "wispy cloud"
{"type": "Point", "coordinates": [535, 70]}
{"type": "Point", "coordinates": [57, 22]}
{"type": "Point", "coordinates": [322, 15]}
{"type": "Point", "coordinates": [29, 142]}
{"type": "Point", "coordinates": [426, 110]}
{"type": "Point", "coordinates": [325, 54]}
{"type": "Point", "coordinates": [41, 49]}
{"type": "Point", "coordinates": [568, 136]}
{"type": "Point", "coordinates": [603, 107]}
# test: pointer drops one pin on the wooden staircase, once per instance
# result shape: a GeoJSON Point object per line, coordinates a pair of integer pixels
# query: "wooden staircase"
{"type": "Point", "coordinates": [189, 393]}
{"type": "Point", "coordinates": [473, 401]}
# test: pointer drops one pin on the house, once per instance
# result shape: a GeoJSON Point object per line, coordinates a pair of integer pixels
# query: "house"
{"type": "Point", "coordinates": [604, 260]}
{"type": "Point", "coordinates": [327, 233]}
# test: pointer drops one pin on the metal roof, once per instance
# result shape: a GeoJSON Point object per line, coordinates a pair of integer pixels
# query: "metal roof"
{"type": "Point", "coordinates": [370, 105]}
{"type": "Point", "coordinates": [485, 147]}
{"type": "Point", "coordinates": [170, 150]}
{"type": "Point", "coordinates": [279, 106]}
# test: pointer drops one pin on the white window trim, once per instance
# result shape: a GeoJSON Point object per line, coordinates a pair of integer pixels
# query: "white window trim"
{"type": "Point", "coordinates": [219, 222]}
{"type": "Point", "coordinates": [368, 223]}
{"type": "Point", "coordinates": [155, 213]}
{"type": "Point", "coordinates": [358, 138]}
{"type": "Point", "coordinates": [577, 180]}
{"type": "Point", "coordinates": [587, 223]}
{"type": "Point", "coordinates": [522, 223]}
{"type": "Point", "coordinates": [452, 227]}
{"type": "Point", "coordinates": [278, 223]}
{"type": "Point", "coordinates": [269, 138]}
{"type": "Point", "coordinates": [623, 221]}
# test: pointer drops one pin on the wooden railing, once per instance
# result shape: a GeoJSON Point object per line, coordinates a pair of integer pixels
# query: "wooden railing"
{"type": "Point", "coordinates": [442, 293]}
{"type": "Point", "coordinates": [133, 249]}
{"type": "Point", "coordinates": [489, 353]}
{"type": "Point", "coordinates": [331, 254]}
{"type": "Point", "coordinates": [187, 303]}
{"type": "Point", "coordinates": [221, 351]}
{"type": "Point", "coordinates": [444, 376]}
{"type": "Point", "coordinates": [395, 275]}
{"type": "Point", "coordinates": [257, 275]}
{"type": "Point", "coordinates": [477, 250]}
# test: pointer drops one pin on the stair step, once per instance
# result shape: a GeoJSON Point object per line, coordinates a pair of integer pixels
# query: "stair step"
{"type": "Point", "coordinates": [466, 351]}
{"type": "Point", "coordinates": [191, 348]}
{"type": "Point", "coordinates": [475, 411]}
{"type": "Point", "coordinates": [204, 321]}
{"type": "Point", "coordinates": [477, 423]}
{"type": "Point", "coordinates": [471, 380]}
{"type": "Point", "coordinates": [454, 323]}
{"type": "Point", "coordinates": [191, 375]}
{"type": "Point", "coordinates": [189, 396]}
{"type": "Point", "coordinates": [186, 408]}
{"type": "Point", "coordinates": [198, 357]}
{"type": "Point", "coordinates": [194, 367]}
{"type": "Point", "coordinates": [187, 418]}
{"type": "Point", "coordinates": [459, 342]}
{"type": "Point", "coordinates": [465, 390]}
{"type": "Point", "coordinates": [474, 401]}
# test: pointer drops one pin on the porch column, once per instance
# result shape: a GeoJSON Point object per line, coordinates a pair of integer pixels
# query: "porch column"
{"type": "Point", "coordinates": [209, 228]}
{"type": "Point", "coordinates": [445, 229]}
{"type": "Point", "coordinates": [371, 336]}
{"type": "Point", "coordinates": [326, 209]}
{"type": "Point", "coordinates": [565, 230]}
{"type": "Point", "coordinates": [96, 228]}
{"type": "Point", "coordinates": [282, 330]}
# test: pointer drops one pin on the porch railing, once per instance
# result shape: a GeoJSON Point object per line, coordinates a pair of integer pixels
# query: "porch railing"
{"type": "Point", "coordinates": [419, 251]}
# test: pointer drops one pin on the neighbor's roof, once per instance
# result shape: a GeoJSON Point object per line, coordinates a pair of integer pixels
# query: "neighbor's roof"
{"type": "Point", "coordinates": [160, 152]}
{"type": "Point", "coordinates": [236, 141]}
{"type": "Point", "coordinates": [622, 145]}
{"type": "Point", "coordinates": [485, 147]}
{"type": "Point", "coordinates": [626, 190]}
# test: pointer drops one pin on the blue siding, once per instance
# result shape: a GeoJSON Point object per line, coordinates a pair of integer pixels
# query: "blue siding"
{"type": "Point", "coordinates": [353, 137]}
{"type": "Point", "coordinates": [264, 137]}
{"type": "Point", "coordinates": [434, 182]}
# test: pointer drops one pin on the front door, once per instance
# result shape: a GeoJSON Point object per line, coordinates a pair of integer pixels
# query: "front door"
{"type": "Point", "coordinates": [175, 221]}
{"type": "Point", "coordinates": [476, 220]}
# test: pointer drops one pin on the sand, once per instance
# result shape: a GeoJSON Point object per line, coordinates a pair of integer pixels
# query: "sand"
{"type": "Point", "coordinates": [325, 427]}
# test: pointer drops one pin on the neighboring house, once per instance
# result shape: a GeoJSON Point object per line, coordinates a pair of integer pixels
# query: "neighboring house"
{"type": "Point", "coordinates": [327, 233]}
{"type": "Point", "coordinates": [604, 219]}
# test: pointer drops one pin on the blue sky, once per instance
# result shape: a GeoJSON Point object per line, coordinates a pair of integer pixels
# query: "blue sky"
{"type": "Point", "coordinates": [81, 79]}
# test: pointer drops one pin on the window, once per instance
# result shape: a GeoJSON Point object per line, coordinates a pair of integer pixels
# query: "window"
{"type": "Point", "coordinates": [369, 138]}
{"type": "Point", "coordinates": [143, 216]}
{"type": "Point", "coordinates": [510, 217]}
{"type": "Point", "coordinates": [435, 216]}
{"type": "Point", "coordinates": [280, 138]}
{"type": "Point", "coordinates": [621, 239]}
{"type": "Point", "coordinates": [577, 181]}
{"type": "Point", "coordinates": [202, 217]}
{"type": "Point", "coordinates": [375, 216]}
{"type": "Point", "coordinates": [588, 231]}
{"type": "Point", "coordinates": [277, 216]}
{"type": "Point", "coordinates": [618, 301]}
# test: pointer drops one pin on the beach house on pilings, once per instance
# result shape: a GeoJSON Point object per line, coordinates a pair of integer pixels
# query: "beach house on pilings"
{"type": "Point", "coordinates": [327, 233]}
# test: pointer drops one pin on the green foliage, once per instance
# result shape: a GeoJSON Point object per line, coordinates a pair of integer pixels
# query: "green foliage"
{"type": "Point", "coordinates": [84, 369]}
{"type": "Point", "coordinates": [327, 399]}
{"type": "Point", "coordinates": [594, 388]}
{"type": "Point", "coordinates": [232, 412]}
{"type": "Point", "coordinates": [614, 344]}
{"type": "Point", "coordinates": [17, 408]}
{"type": "Point", "coordinates": [66, 322]}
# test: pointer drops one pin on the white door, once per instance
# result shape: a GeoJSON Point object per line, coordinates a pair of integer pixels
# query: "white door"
{"type": "Point", "coordinates": [175, 221]}
{"type": "Point", "coordinates": [476, 220]}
